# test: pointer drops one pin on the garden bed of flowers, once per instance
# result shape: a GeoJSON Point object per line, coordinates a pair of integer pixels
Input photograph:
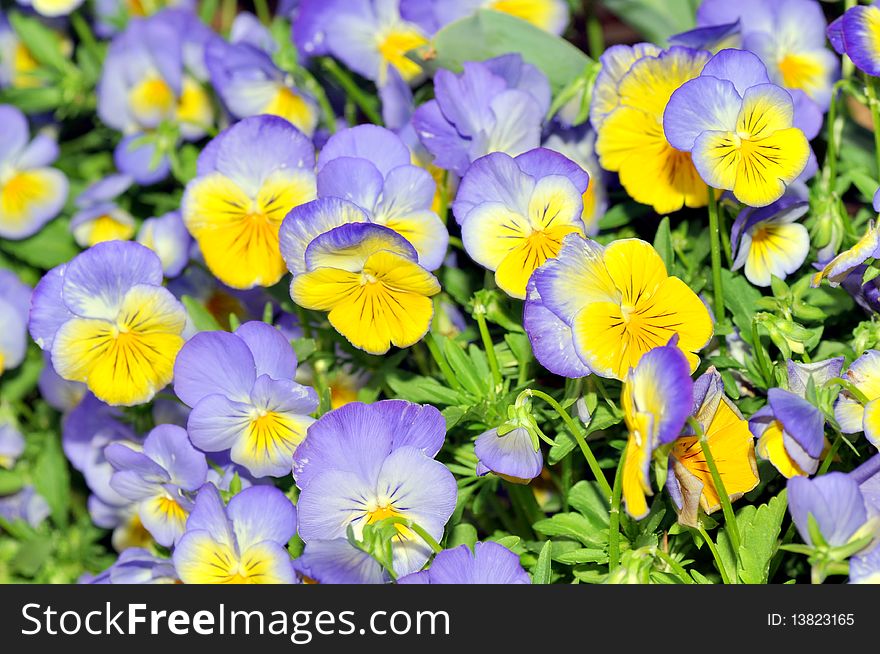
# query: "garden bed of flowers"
{"type": "Point", "coordinates": [439, 291]}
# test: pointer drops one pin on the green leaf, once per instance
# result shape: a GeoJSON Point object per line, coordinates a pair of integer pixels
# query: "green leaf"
{"type": "Point", "coordinates": [543, 568]}
{"type": "Point", "coordinates": [18, 384]}
{"type": "Point", "coordinates": [741, 298]}
{"type": "Point", "coordinates": [572, 525]}
{"type": "Point", "coordinates": [50, 247]}
{"type": "Point", "coordinates": [10, 482]}
{"type": "Point", "coordinates": [422, 390]}
{"type": "Point", "coordinates": [579, 556]}
{"type": "Point", "coordinates": [463, 534]}
{"type": "Point", "coordinates": [663, 243]}
{"type": "Point", "coordinates": [585, 498]}
{"type": "Point", "coordinates": [52, 478]}
{"type": "Point", "coordinates": [32, 555]}
{"type": "Point", "coordinates": [488, 34]}
{"type": "Point", "coordinates": [602, 418]}
{"type": "Point", "coordinates": [202, 319]}
{"type": "Point", "coordinates": [44, 44]}
{"type": "Point", "coordinates": [759, 530]}
{"type": "Point", "coordinates": [465, 370]}
{"type": "Point", "coordinates": [657, 20]}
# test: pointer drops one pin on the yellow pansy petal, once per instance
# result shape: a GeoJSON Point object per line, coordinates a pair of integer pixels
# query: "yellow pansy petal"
{"type": "Point", "coordinates": [601, 341]}
{"type": "Point", "coordinates": [768, 165]}
{"type": "Point", "coordinates": [517, 267]}
{"type": "Point", "coordinates": [238, 235]}
{"type": "Point", "coordinates": [871, 422]}
{"type": "Point", "coordinates": [546, 14]}
{"type": "Point", "coordinates": [803, 70]}
{"type": "Point", "coordinates": [555, 201]}
{"type": "Point", "coordinates": [675, 308]}
{"type": "Point", "coordinates": [393, 47]}
{"type": "Point", "coordinates": [129, 361]}
{"type": "Point", "coordinates": [270, 440]}
{"type": "Point", "coordinates": [717, 156]}
{"type": "Point", "coordinates": [771, 447]}
{"type": "Point", "coordinates": [151, 101]}
{"type": "Point", "coordinates": [106, 227]}
{"type": "Point", "coordinates": [732, 446]}
{"type": "Point", "coordinates": [776, 249]}
{"type": "Point", "coordinates": [208, 562]}
{"type": "Point", "coordinates": [195, 113]}
{"type": "Point", "coordinates": [635, 268]}
{"type": "Point", "coordinates": [291, 106]}
{"type": "Point", "coordinates": [491, 231]}
{"type": "Point", "coordinates": [324, 288]}
{"type": "Point", "coordinates": [635, 484]}
{"type": "Point", "coordinates": [766, 109]}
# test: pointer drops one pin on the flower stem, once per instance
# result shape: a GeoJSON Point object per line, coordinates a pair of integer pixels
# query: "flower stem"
{"type": "Point", "coordinates": [261, 7]}
{"type": "Point", "coordinates": [317, 91]}
{"type": "Point", "coordinates": [352, 90]}
{"type": "Point", "coordinates": [850, 388]}
{"type": "Point", "coordinates": [871, 87]}
{"type": "Point", "coordinates": [578, 436]}
{"type": "Point", "coordinates": [761, 355]}
{"type": "Point", "coordinates": [718, 562]}
{"type": "Point", "coordinates": [715, 244]}
{"type": "Point", "coordinates": [826, 463]}
{"type": "Point", "coordinates": [726, 506]}
{"type": "Point", "coordinates": [488, 345]}
{"type": "Point", "coordinates": [614, 515]}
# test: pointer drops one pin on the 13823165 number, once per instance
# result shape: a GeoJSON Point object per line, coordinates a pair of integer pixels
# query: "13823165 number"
{"type": "Point", "coordinates": [822, 619]}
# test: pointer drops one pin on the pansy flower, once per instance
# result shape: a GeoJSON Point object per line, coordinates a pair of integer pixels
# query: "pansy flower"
{"type": "Point", "coordinates": [690, 483]}
{"type": "Point", "coordinates": [579, 145]}
{"type": "Point", "coordinates": [851, 415]}
{"type": "Point", "coordinates": [366, 276]}
{"type": "Point", "coordinates": [838, 269]}
{"type": "Point", "coordinates": [249, 177]}
{"type": "Point", "coordinates": [657, 398]}
{"type": "Point", "coordinates": [136, 566]}
{"type": "Point", "coordinates": [368, 36]}
{"type": "Point", "coordinates": [739, 128]}
{"type": "Point", "coordinates": [243, 397]}
{"type": "Point", "coordinates": [168, 237]}
{"type": "Point", "coordinates": [790, 433]}
{"type": "Point", "coordinates": [855, 35]}
{"type": "Point", "coordinates": [151, 86]}
{"type": "Point", "coordinates": [835, 503]}
{"type": "Point", "coordinates": [26, 505]}
{"type": "Point", "coordinates": [599, 309]}
{"type": "Point", "coordinates": [99, 218]}
{"type": "Point", "coordinates": [52, 8]}
{"type": "Point", "coordinates": [15, 302]}
{"type": "Point", "coordinates": [489, 563]}
{"type": "Point", "coordinates": [802, 375]}
{"type": "Point", "coordinates": [11, 444]}
{"type": "Point", "coordinates": [159, 479]}
{"type": "Point", "coordinates": [248, 81]}
{"type": "Point", "coordinates": [337, 561]}
{"type": "Point", "coordinates": [363, 463]}
{"type": "Point", "coordinates": [513, 455]}
{"type": "Point", "coordinates": [372, 167]}
{"type": "Point", "coordinates": [242, 543]}
{"type": "Point", "coordinates": [31, 193]}
{"type": "Point", "coordinates": [108, 322]}
{"type": "Point", "coordinates": [497, 105]}
{"type": "Point", "coordinates": [767, 242]}
{"type": "Point", "coordinates": [515, 213]}
{"type": "Point", "coordinates": [788, 36]}
{"type": "Point", "coordinates": [626, 110]}
{"type": "Point", "coordinates": [549, 15]}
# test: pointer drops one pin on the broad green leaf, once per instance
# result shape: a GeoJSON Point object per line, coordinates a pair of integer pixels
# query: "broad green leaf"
{"type": "Point", "coordinates": [32, 555]}
{"type": "Point", "coordinates": [422, 390]}
{"type": "Point", "coordinates": [464, 369]}
{"type": "Point", "coordinates": [585, 498]}
{"type": "Point", "coordinates": [759, 530]}
{"type": "Point", "coordinates": [657, 20]}
{"type": "Point", "coordinates": [543, 568]}
{"type": "Point", "coordinates": [42, 43]}
{"type": "Point", "coordinates": [579, 556]}
{"type": "Point", "coordinates": [10, 482]}
{"type": "Point", "coordinates": [51, 246]}
{"type": "Point", "coordinates": [572, 525]}
{"type": "Point", "coordinates": [52, 478]}
{"type": "Point", "coordinates": [202, 319]}
{"type": "Point", "coordinates": [18, 384]}
{"type": "Point", "coordinates": [663, 244]}
{"type": "Point", "coordinates": [741, 298]}
{"type": "Point", "coordinates": [463, 534]}
{"type": "Point", "coordinates": [488, 34]}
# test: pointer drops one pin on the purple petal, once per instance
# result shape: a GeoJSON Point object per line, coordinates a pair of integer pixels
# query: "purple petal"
{"type": "Point", "coordinates": [355, 180]}
{"type": "Point", "coordinates": [209, 515]}
{"type": "Point", "coordinates": [13, 132]}
{"type": "Point", "coordinates": [272, 352]}
{"type": "Point", "coordinates": [664, 373]}
{"type": "Point", "coordinates": [707, 37]}
{"type": "Point", "coordinates": [551, 338]}
{"type": "Point", "coordinates": [211, 363]}
{"type": "Point", "coordinates": [833, 500]}
{"type": "Point", "coordinates": [137, 161]}
{"type": "Point", "coordinates": [217, 423]}
{"type": "Point", "coordinates": [380, 146]}
{"type": "Point", "coordinates": [800, 419]}
{"type": "Point", "coordinates": [448, 147]}
{"type": "Point", "coordinates": [700, 105]}
{"type": "Point", "coordinates": [858, 35]}
{"type": "Point", "coordinates": [336, 442]}
{"type": "Point", "coordinates": [416, 425]}
{"type": "Point", "coordinates": [169, 446]}
{"type": "Point", "coordinates": [542, 162]}
{"type": "Point", "coordinates": [493, 178]}
{"type": "Point", "coordinates": [262, 513]}
{"type": "Point", "coordinates": [512, 455]}
{"type": "Point", "coordinates": [741, 67]}
{"type": "Point", "coordinates": [48, 311]}
{"type": "Point", "coordinates": [338, 562]}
